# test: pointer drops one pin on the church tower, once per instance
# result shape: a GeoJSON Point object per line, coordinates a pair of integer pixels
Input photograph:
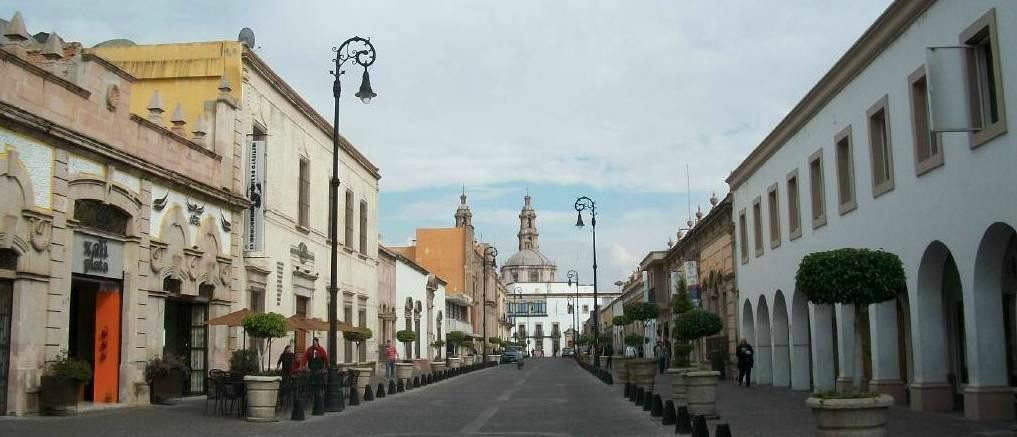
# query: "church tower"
{"type": "Point", "coordinates": [464, 218]}
{"type": "Point", "coordinates": [528, 264]}
{"type": "Point", "coordinates": [528, 226]}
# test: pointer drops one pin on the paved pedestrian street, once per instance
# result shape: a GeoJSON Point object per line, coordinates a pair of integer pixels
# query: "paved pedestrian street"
{"type": "Point", "coordinates": [548, 397]}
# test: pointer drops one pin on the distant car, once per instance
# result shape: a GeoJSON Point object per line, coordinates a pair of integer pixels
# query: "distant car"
{"type": "Point", "coordinates": [568, 352]}
{"type": "Point", "coordinates": [511, 354]}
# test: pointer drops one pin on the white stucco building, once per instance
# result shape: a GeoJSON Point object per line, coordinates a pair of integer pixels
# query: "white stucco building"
{"type": "Point", "coordinates": [538, 310]}
{"type": "Point", "coordinates": [420, 303]}
{"type": "Point", "coordinates": [854, 164]}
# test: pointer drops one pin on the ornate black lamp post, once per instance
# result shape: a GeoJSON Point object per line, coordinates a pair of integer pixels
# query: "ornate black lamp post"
{"type": "Point", "coordinates": [574, 279]}
{"type": "Point", "coordinates": [361, 51]}
{"type": "Point", "coordinates": [586, 203]}
{"type": "Point", "coordinates": [490, 253]}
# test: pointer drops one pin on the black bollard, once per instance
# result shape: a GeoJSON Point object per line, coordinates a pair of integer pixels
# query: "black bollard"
{"type": "Point", "coordinates": [699, 428]}
{"type": "Point", "coordinates": [318, 409]}
{"type": "Point", "coordinates": [609, 379]}
{"type": "Point", "coordinates": [657, 409]}
{"type": "Point", "coordinates": [391, 387]}
{"type": "Point", "coordinates": [400, 388]}
{"type": "Point", "coordinates": [381, 390]}
{"type": "Point", "coordinates": [668, 413]}
{"type": "Point", "coordinates": [416, 382]}
{"type": "Point", "coordinates": [628, 387]}
{"type": "Point", "coordinates": [683, 424]}
{"type": "Point", "coordinates": [722, 430]}
{"type": "Point", "coordinates": [341, 401]}
{"type": "Point", "coordinates": [633, 393]}
{"type": "Point", "coordinates": [354, 396]}
{"type": "Point", "coordinates": [368, 393]}
{"type": "Point", "coordinates": [298, 408]}
{"type": "Point", "coordinates": [639, 396]}
{"type": "Point", "coordinates": [648, 400]}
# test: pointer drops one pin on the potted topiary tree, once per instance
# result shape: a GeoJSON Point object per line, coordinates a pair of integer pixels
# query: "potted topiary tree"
{"type": "Point", "coordinates": [365, 371]}
{"type": "Point", "coordinates": [642, 371]}
{"type": "Point", "coordinates": [495, 343]}
{"type": "Point", "coordinates": [680, 365]}
{"type": "Point", "coordinates": [63, 384]}
{"type": "Point", "coordinates": [455, 338]}
{"type": "Point", "coordinates": [700, 386]}
{"type": "Point", "coordinates": [244, 362]}
{"type": "Point", "coordinates": [857, 277]}
{"type": "Point", "coordinates": [620, 361]}
{"type": "Point", "coordinates": [165, 375]}
{"type": "Point", "coordinates": [404, 370]}
{"type": "Point", "coordinates": [469, 351]}
{"type": "Point", "coordinates": [438, 364]}
{"type": "Point", "coordinates": [263, 390]}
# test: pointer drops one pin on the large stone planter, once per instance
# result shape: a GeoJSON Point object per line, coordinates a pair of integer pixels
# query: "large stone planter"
{"type": "Point", "coordinates": [455, 362]}
{"type": "Point", "coordinates": [437, 366]}
{"type": "Point", "coordinates": [621, 369]}
{"type": "Point", "coordinates": [865, 417]}
{"type": "Point", "coordinates": [262, 394]}
{"type": "Point", "coordinates": [493, 358]}
{"type": "Point", "coordinates": [364, 375]}
{"type": "Point", "coordinates": [701, 393]}
{"type": "Point", "coordinates": [404, 370]}
{"type": "Point", "coordinates": [642, 371]}
{"type": "Point", "coordinates": [678, 392]}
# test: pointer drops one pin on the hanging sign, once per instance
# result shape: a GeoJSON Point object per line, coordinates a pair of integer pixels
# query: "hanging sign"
{"type": "Point", "coordinates": [255, 214]}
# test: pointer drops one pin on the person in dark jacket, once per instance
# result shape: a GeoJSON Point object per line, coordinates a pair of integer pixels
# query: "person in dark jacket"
{"type": "Point", "coordinates": [609, 351]}
{"type": "Point", "coordinates": [744, 353]}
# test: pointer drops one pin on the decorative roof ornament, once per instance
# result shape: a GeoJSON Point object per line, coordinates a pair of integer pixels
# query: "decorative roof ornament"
{"type": "Point", "coordinates": [200, 130]}
{"type": "Point", "coordinates": [690, 223]}
{"type": "Point", "coordinates": [670, 242]}
{"type": "Point", "coordinates": [16, 31]}
{"type": "Point", "coordinates": [178, 120]}
{"type": "Point", "coordinates": [714, 200]}
{"type": "Point", "coordinates": [155, 108]}
{"type": "Point", "coordinates": [224, 86]}
{"type": "Point", "coordinates": [680, 234]}
{"type": "Point", "coordinates": [53, 48]}
{"type": "Point", "coordinates": [699, 213]}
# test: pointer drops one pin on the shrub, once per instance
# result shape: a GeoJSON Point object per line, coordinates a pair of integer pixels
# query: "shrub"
{"type": "Point", "coordinates": [634, 340]}
{"type": "Point", "coordinates": [358, 336]}
{"type": "Point", "coordinates": [437, 345]}
{"type": "Point", "coordinates": [697, 324]}
{"type": "Point", "coordinates": [681, 304]}
{"type": "Point", "coordinates": [244, 362]}
{"type": "Point", "coordinates": [494, 340]}
{"type": "Point", "coordinates": [641, 312]}
{"type": "Point", "coordinates": [455, 338]}
{"type": "Point", "coordinates": [162, 366]}
{"type": "Point", "coordinates": [406, 336]}
{"type": "Point", "coordinates": [265, 325]}
{"type": "Point", "coordinates": [620, 320]}
{"type": "Point", "coordinates": [69, 368]}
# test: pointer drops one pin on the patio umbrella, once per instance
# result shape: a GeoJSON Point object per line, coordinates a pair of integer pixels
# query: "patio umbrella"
{"type": "Point", "coordinates": [233, 319]}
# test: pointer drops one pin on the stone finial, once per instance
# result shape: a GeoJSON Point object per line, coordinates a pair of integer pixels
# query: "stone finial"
{"type": "Point", "coordinates": [178, 120]}
{"type": "Point", "coordinates": [16, 31]}
{"type": "Point", "coordinates": [680, 234]}
{"type": "Point", "coordinates": [699, 213]}
{"type": "Point", "coordinates": [200, 130]}
{"type": "Point", "coordinates": [714, 200]}
{"type": "Point", "coordinates": [224, 86]}
{"type": "Point", "coordinates": [53, 48]}
{"type": "Point", "coordinates": [689, 222]}
{"type": "Point", "coordinates": [155, 108]}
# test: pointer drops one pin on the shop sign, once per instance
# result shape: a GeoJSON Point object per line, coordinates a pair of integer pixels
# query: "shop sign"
{"type": "Point", "coordinates": [98, 256]}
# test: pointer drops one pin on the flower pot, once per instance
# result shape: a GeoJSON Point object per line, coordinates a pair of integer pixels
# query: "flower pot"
{"type": "Point", "coordinates": [493, 358]}
{"type": "Point", "coordinates": [678, 392]}
{"type": "Point", "coordinates": [621, 369]}
{"type": "Point", "coordinates": [863, 417]}
{"type": "Point", "coordinates": [455, 362]}
{"type": "Point", "coordinates": [262, 394]}
{"type": "Point", "coordinates": [404, 370]}
{"type": "Point", "coordinates": [701, 392]}
{"type": "Point", "coordinates": [437, 366]}
{"type": "Point", "coordinates": [642, 371]}
{"type": "Point", "coordinates": [166, 386]}
{"type": "Point", "coordinates": [364, 375]}
{"type": "Point", "coordinates": [57, 395]}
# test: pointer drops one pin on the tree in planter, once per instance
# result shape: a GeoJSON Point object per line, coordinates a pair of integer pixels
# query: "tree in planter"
{"type": "Point", "coordinates": [494, 341]}
{"type": "Point", "coordinates": [694, 325]}
{"type": "Point", "coordinates": [857, 277]}
{"type": "Point", "coordinates": [456, 339]}
{"type": "Point", "coordinates": [63, 382]}
{"type": "Point", "coordinates": [359, 337]}
{"type": "Point", "coordinates": [406, 337]}
{"type": "Point", "coordinates": [640, 312]}
{"type": "Point", "coordinates": [265, 326]}
{"type": "Point", "coordinates": [468, 344]}
{"type": "Point", "coordinates": [681, 304]}
{"type": "Point", "coordinates": [620, 321]}
{"type": "Point", "coordinates": [437, 345]}
{"type": "Point", "coordinates": [244, 362]}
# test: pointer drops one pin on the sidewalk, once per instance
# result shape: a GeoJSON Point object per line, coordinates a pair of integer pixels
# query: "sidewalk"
{"type": "Point", "coordinates": [764, 411]}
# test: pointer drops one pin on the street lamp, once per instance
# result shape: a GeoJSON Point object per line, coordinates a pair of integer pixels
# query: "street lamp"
{"type": "Point", "coordinates": [574, 279]}
{"type": "Point", "coordinates": [586, 203]}
{"type": "Point", "coordinates": [490, 253]}
{"type": "Point", "coordinates": [361, 51]}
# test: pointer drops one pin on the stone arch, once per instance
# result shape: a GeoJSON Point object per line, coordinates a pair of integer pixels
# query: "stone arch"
{"type": "Point", "coordinates": [988, 364]}
{"type": "Point", "coordinates": [748, 322]}
{"type": "Point", "coordinates": [937, 343]}
{"type": "Point", "coordinates": [781, 338]}
{"type": "Point", "coordinates": [763, 371]}
{"type": "Point", "coordinates": [801, 343]}
{"type": "Point", "coordinates": [91, 188]}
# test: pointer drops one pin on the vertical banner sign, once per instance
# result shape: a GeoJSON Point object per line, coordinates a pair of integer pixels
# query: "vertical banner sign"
{"type": "Point", "coordinates": [691, 272]}
{"type": "Point", "coordinates": [255, 215]}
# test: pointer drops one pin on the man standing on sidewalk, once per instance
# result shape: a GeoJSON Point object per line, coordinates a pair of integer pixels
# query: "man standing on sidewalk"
{"type": "Point", "coordinates": [744, 354]}
{"type": "Point", "coordinates": [391, 356]}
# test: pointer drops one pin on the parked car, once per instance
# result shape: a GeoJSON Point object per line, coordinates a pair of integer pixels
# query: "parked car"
{"type": "Point", "coordinates": [568, 352]}
{"type": "Point", "coordinates": [511, 354]}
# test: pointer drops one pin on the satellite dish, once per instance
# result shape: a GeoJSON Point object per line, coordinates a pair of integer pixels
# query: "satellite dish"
{"type": "Point", "coordinates": [246, 37]}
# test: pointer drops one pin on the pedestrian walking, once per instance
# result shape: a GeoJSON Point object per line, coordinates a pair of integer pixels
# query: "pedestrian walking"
{"type": "Point", "coordinates": [609, 351]}
{"type": "Point", "coordinates": [391, 356]}
{"type": "Point", "coordinates": [316, 357]}
{"type": "Point", "coordinates": [744, 353]}
{"type": "Point", "coordinates": [667, 353]}
{"type": "Point", "coordinates": [658, 351]}
{"type": "Point", "coordinates": [285, 363]}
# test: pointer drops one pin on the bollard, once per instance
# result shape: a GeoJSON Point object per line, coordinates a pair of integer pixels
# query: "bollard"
{"type": "Point", "coordinates": [368, 393]}
{"type": "Point", "coordinates": [683, 424]}
{"type": "Point", "coordinates": [668, 413]}
{"type": "Point", "coordinates": [341, 401]}
{"type": "Point", "coordinates": [632, 393]}
{"type": "Point", "coordinates": [354, 396]}
{"type": "Point", "coordinates": [391, 387]}
{"type": "Point", "coordinates": [699, 428]}
{"type": "Point", "coordinates": [298, 408]}
{"type": "Point", "coordinates": [416, 382]}
{"type": "Point", "coordinates": [639, 396]}
{"type": "Point", "coordinates": [609, 380]}
{"type": "Point", "coordinates": [628, 387]}
{"type": "Point", "coordinates": [657, 409]}
{"type": "Point", "coordinates": [400, 388]}
{"type": "Point", "coordinates": [318, 409]}
{"type": "Point", "coordinates": [381, 390]}
{"type": "Point", "coordinates": [722, 430]}
{"type": "Point", "coordinates": [648, 400]}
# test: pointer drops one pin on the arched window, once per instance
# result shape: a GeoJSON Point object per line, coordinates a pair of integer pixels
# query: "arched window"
{"type": "Point", "coordinates": [101, 216]}
{"type": "Point", "coordinates": [8, 259]}
{"type": "Point", "coordinates": [171, 285]}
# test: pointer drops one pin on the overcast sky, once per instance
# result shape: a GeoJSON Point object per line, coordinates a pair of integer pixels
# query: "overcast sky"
{"type": "Point", "coordinates": [565, 98]}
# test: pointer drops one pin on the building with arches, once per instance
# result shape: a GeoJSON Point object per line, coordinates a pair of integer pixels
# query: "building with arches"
{"type": "Point", "coordinates": [866, 160]}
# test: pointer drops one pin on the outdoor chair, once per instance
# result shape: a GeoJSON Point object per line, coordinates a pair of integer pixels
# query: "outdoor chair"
{"type": "Point", "coordinates": [211, 388]}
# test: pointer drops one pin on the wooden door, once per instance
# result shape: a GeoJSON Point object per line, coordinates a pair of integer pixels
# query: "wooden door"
{"type": "Point", "coordinates": [301, 335]}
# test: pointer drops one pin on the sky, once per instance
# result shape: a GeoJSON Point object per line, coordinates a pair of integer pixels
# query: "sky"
{"type": "Point", "coordinates": [607, 99]}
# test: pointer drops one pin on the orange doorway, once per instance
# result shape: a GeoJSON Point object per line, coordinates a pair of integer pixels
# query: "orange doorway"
{"type": "Point", "coordinates": [94, 335]}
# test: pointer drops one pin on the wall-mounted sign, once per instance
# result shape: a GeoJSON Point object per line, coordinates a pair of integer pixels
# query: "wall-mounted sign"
{"type": "Point", "coordinates": [691, 271]}
{"type": "Point", "coordinates": [97, 256]}
{"type": "Point", "coordinates": [255, 215]}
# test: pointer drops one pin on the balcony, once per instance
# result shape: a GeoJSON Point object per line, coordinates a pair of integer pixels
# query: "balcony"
{"type": "Point", "coordinates": [458, 325]}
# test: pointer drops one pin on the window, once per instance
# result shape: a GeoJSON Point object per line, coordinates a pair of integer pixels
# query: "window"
{"type": "Point", "coordinates": [256, 300]}
{"type": "Point", "coordinates": [348, 240]}
{"type": "Point", "coordinates": [586, 309]}
{"type": "Point", "coordinates": [303, 212]}
{"type": "Point", "coordinates": [794, 215]}
{"type": "Point", "coordinates": [880, 148]}
{"type": "Point", "coordinates": [362, 322]}
{"type": "Point", "coordinates": [817, 189]}
{"type": "Point", "coordinates": [928, 154]}
{"type": "Point", "coordinates": [534, 276]}
{"type": "Point", "coordinates": [743, 236]}
{"type": "Point", "coordinates": [984, 79]}
{"type": "Point", "coordinates": [757, 226]}
{"type": "Point", "coordinates": [363, 227]}
{"type": "Point", "coordinates": [348, 345]}
{"type": "Point", "coordinates": [772, 205]}
{"type": "Point", "coordinates": [845, 171]}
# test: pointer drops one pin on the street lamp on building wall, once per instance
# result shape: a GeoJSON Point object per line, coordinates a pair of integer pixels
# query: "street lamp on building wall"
{"type": "Point", "coordinates": [586, 203]}
{"type": "Point", "coordinates": [574, 279]}
{"type": "Point", "coordinates": [361, 51]}
{"type": "Point", "coordinates": [490, 253]}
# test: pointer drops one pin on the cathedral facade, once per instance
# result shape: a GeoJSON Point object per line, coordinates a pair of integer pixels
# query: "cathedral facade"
{"type": "Point", "coordinates": [528, 264]}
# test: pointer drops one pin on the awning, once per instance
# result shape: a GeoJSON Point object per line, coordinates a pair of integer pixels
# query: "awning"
{"type": "Point", "coordinates": [297, 323]}
{"type": "Point", "coordinates": [233, 319]}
